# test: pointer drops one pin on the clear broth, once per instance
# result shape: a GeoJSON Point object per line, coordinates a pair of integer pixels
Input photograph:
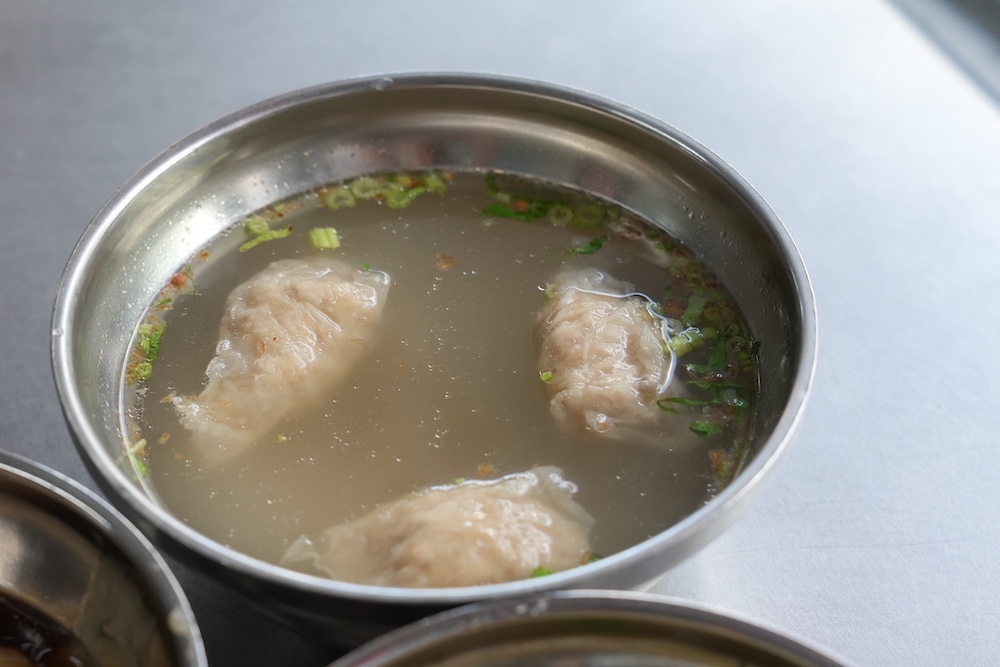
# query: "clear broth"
{"type": "Point", "coordinates": [450, 390]}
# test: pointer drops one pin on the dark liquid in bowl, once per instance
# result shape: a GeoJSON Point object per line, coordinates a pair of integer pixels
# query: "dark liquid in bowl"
{"type": "Point", "coordinates": [29, 637]}
{"type": "Point", "coordinates": [451, 389]}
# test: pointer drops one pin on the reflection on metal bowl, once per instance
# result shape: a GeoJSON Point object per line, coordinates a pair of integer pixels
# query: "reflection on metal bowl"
{"type": "Point", "coordinates": [306, 139]}
{"type": "Point", "coordinates": [86, 581]}
{"type": "Point", "coordinates": [589, 628]}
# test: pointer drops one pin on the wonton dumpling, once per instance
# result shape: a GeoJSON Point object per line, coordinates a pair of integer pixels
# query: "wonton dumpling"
{"type": "Point", "coordinates": [606, 352]}
{"type": "Point", "coordinates": [289, 332]}
{"type": "Point", "coordinates": [467, 534]}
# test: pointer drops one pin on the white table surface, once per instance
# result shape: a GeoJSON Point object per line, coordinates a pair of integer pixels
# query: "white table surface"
{"type": "Point", "coordinates": [880, 535]}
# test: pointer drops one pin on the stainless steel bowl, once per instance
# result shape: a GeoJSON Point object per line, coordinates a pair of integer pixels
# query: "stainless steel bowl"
{"type": "Point", "coordinates": [589, 629]}
{"type": "Point", "coordinates": [283, 146]}
{"type": "Point", "coordinates": [74, 562]}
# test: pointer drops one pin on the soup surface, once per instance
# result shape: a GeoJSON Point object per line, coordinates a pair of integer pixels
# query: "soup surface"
{"type": "Point", "coordinates": [450, 387]}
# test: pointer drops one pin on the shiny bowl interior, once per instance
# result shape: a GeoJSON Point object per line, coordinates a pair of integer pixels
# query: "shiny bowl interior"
{"type": "Point", "coordinates": [283, 146]}
{"type": "Point", "coordinates": [589, 629]}
{"type": "Point", "coordinates": [72, 561]}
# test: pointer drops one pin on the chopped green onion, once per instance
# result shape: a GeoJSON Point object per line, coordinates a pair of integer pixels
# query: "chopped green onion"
{"type": "Point", "coordinates": [435, 184]}
{"type": "Point", "coordinates": [686, 341]}
{"type": "Point", "coordinates": [256, 226]}
{"type": "Point", "coordinates": [717, 362]}
{"type": "Point", "coordinates": [491, 184]}
{"type": "Point", "coordinates": [529, 213]}
{"type": "Point", "coordinates": [546, 376]}
{"type": "Point", "coordinates": [140, 466]}
{"type": "Point", "coordinates": [589, 216]}
{"type": "Point", "coordinates": [590, 248]}
{"type": "Point", "coordinates": [268, 235]}
{"type": "Point", "coordinates": [324, 238]}
{"type": "Point", "coordinates": [541, 571]}
{"type": "Point", "coordinates": [149, 339]}
{"type": "Point", "coordinates": [339, 197]}
{"type": "Point", "coordinates": [665, 245]}
{"type": "Point", "coordinates": [365, 266]}
{"type": "Point", "coordinates": [405, 181]}
{"type": "Point", "coordinates": [705, 429]}
{"type": "Point", "coordinates": [365, 187]}
{"type": "Point", "coordinates": [716, 387]}
{"type": "Point", "coordinates": [143, 371]}
{"type": "Point", "coordinates": [695, 305]}
{"type": "Point", "coordinates": [401, 198]}
{"type": "Point", "coordinates": [560, 215]}
{"type": "Point", "coordinates": [690, 402]}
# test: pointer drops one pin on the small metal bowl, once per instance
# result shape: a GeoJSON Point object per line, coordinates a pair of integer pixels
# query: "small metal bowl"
{"type": "Point", "coordinates": [306, 139]}
{"type": "Point", "coordinates": [75, 564]}
{"type": "Point", "coordinates": [589, 629]}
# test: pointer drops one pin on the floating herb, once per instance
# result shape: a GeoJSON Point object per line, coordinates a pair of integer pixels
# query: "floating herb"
{"type": "Point", "coordinates": [435, 184]}
{"type": "Point", "coordinates": [393, 190]}
{"type": "Point", "coordinates": [519, 209]}
{"type": "Point", "coordinates": [399, 197]}
{"type": "Point", "coordinates": [725, 464]}
{"type": "Point", "coordinates": [324, 238]}
{"type": "Point", "coordinates": [590, 247]}
{"type": "Point", "coordinates": [149, 336]}
{"type": "Point", "coordinates": [135, 453]}
{"type": "Point", "coordinates": [589, 216]}
{"type": "Point", "coordinates": [365, 187]}
{"type": "Point", "coordinates": [560, 215]}
{"type": "Point", "coordinates": [140, 466]}
{"type": "Point", "coordinates": [261, 232]}
{"type": "Point", "coordinates": [556, 208]}
{"type": "Point", "coordinates": [686, 341]}
{"type": "Point", "coordinates": [541, 571]}
{"type": "Point", "coordinates": [339, 197]}
{"type": "Point", "coordinates": [692, 314]}
{"type": "Point", "coordinates": [705, 429]}
{"type": "Point", "coordinates": [142, 371]}
{"type": "Point", "coordinates": [678, 400]}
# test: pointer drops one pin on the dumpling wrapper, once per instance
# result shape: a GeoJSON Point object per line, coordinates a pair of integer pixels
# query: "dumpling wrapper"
{"type": "Point", "coordinates": [606, 353]}
{"type": "Point", "coordinates": [467, 534]}
{"type": "Point", "coordinates": [288, 333]}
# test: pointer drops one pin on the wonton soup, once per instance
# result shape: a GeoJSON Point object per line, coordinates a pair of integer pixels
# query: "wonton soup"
{"type": "Point", "coordinates": [437, 379]}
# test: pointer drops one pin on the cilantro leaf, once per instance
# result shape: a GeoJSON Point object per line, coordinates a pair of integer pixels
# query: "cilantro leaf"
{"type": "Point", "coordinates": [705, 429]}
{"type": "Point", "coordinates": [590, 248]}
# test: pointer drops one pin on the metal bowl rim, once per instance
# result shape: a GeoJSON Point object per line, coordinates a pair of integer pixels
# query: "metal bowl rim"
{"type": "Point", "coordinates": [138, 551]}
{"type": "Point", "coordinates": [448, 625]}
